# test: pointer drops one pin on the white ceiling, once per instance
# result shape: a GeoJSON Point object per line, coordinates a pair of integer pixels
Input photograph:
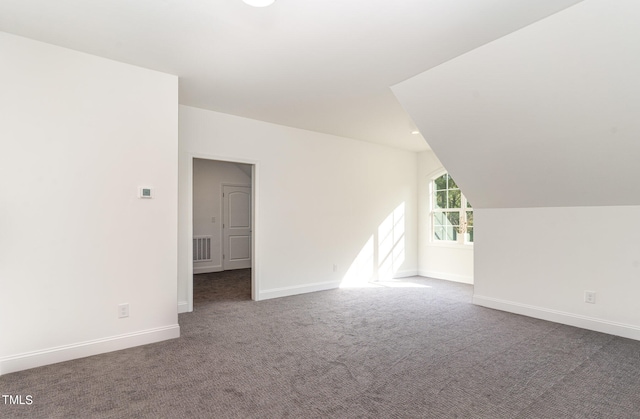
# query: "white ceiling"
{"type": "Point", "coordinates": [322, 65]}
{"type": "Point", "coordinates": [545, 117]}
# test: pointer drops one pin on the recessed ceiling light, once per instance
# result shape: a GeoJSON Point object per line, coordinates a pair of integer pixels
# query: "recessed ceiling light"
{"type": "Point", "coordinates": [415, 132]}
{"type": "Point", "coordinates": [259, 3]}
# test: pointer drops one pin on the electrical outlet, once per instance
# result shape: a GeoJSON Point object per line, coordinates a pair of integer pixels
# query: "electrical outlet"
{"type": "Point", "coordinates": [335, 268]}
{"type": "Point", "coordinates": [123, 310]}
{"type": "Point", "coordinates": [590, 297]}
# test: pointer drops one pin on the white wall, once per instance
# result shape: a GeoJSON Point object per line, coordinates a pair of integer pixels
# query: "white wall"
{"type": "Point", "coordinates": [208, 178]}
{"type": "Point", "coordinates": [452, 262]}
{"type": "Point", "coordinates": [79, 135]}
{"type": "Point", "coordinates": [319, 200]}
{"type": "Point", "coordinates": [540, 261]}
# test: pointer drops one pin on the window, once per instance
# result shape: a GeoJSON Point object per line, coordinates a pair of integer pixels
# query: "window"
{"type": "Point", "coordinates": [451, 213]}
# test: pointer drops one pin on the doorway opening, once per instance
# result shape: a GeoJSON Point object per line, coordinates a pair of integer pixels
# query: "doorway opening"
{"type": "Point", "coordinates": [223, 286]}
{"type": "Point", "coordinates": [223, 210]}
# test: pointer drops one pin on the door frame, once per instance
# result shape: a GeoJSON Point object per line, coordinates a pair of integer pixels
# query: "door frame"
{"type": "Point", "coordinates": [255, 211]}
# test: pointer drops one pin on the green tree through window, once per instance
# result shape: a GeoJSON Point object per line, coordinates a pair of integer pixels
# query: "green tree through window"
{"type": "Point", "coordinates": [452, 214]}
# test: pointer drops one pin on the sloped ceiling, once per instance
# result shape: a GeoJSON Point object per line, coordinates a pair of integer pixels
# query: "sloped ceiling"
{"type": "Point", "coordinates": [322, 65]}
{"type": "Point", "coordinates": [547, 116]}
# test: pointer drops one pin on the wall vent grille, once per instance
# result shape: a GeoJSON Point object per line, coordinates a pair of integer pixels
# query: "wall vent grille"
{"type": "Point", "coordinates": [202, 248]}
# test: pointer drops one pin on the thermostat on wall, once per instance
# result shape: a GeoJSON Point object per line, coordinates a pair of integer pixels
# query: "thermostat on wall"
{"type": "Point", "coordinates": [145, 192]}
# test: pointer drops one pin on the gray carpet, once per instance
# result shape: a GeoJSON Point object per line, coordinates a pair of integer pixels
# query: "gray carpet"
{"type": "Point", "coordinates": [408, 352]}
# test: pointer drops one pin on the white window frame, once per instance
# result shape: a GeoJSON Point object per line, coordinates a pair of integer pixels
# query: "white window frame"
{"type": "Point", "coordinates": [461, 239]}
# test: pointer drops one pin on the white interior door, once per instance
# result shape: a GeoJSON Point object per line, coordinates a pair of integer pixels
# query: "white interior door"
{"type": "Point", "coordinates": [236, 208]}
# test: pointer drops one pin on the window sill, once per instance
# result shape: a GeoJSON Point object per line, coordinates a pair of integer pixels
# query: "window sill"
{"type": "Point", "coordinates": [451, 245]}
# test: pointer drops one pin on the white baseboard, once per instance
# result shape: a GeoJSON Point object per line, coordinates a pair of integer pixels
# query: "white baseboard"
{"type": "Point", "coordinates": [83, 349]}
{"type": "Point", "coordinates": [447, 276]}
{"type": "Point", "coordinates": [207, 269]}
{"type": "Point", "coordinates": [297, 289]}
{"type": "Point", "coordinates": [405, 274]}
{"type": "Point", "coordinates": [577, 320]}
{"type": "Point", "coordinates": [183, 307]}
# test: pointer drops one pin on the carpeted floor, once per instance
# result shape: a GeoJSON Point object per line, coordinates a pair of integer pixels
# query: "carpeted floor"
{"type": "Point", "coordinates": [417, 349]}
{"type": "Point", "coordinates": [220, 287]}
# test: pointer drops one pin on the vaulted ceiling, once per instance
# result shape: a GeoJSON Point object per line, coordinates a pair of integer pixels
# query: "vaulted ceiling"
{"type": "Point", "coordinates": [545, 117]}
{"type": "Point", "coordinates": [322, 65]}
